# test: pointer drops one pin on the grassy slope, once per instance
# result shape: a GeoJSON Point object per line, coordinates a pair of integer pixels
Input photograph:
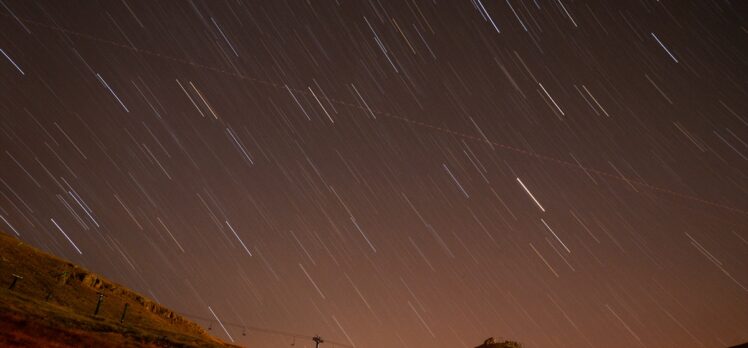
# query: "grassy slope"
{"type": "Point", "coordinates": [66, 320]}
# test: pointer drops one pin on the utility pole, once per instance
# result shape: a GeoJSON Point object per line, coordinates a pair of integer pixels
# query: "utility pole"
{"type": "Point", "coordinates": [15, 280]}
{"type": "Point", "coordinates": [122, 318]}
{"type": "Point", "coordinates": [317, 340]}
{"type": "Point", "coordinates": [98, 303]}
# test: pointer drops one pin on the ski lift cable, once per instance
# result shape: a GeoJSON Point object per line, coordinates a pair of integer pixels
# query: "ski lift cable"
{"type": "Point", "coordinates": [264, 330]}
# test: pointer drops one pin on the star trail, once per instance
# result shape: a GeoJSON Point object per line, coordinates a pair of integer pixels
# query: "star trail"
{"type": "Point", "coordinates": [391, 173]}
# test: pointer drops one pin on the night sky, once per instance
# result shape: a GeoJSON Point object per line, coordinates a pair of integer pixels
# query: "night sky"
{"type": "Point", "coordinates": [410, 173]}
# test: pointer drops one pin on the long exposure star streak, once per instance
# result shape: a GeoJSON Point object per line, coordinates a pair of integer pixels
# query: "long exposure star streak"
{"type": "Point", "coordinates": [391, 173]}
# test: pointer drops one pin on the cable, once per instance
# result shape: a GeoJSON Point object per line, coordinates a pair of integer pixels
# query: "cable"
{"type": "Point", "coordinates": [264, 330]}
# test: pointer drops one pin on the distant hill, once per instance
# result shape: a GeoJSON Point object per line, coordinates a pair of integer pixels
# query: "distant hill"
{"type": "Point", "coordinates": [491, 343]}
{"type": "Point", "coordinates": [53, 306]}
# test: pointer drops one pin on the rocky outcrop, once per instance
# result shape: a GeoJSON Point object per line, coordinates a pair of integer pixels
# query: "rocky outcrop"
{"type": "Point", "coordinates": [105, 286]}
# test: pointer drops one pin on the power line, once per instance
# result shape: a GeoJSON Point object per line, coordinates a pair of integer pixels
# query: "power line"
{"type": "Point", "coordinates": [264, 330]}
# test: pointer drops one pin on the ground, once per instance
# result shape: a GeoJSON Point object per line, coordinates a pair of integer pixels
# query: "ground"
{"type": "Point", "coordinates": [53, 305]}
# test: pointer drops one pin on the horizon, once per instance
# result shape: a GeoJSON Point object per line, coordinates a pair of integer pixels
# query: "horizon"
{"type": "Point", "coordinates": [401, 174]}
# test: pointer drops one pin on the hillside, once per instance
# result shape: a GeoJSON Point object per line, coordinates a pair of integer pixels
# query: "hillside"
{"type": "Point", "coordinates": [53, 305]}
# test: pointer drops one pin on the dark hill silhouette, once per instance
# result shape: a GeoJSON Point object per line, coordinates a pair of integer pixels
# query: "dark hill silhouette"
{"type": "Point", "coordinates": [49, 302]}
{"type": "Point", "coordinates": [491, 343]}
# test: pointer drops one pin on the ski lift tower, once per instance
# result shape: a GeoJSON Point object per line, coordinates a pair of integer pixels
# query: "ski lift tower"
{"type": "Point", "coordinates": [317, 340]}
